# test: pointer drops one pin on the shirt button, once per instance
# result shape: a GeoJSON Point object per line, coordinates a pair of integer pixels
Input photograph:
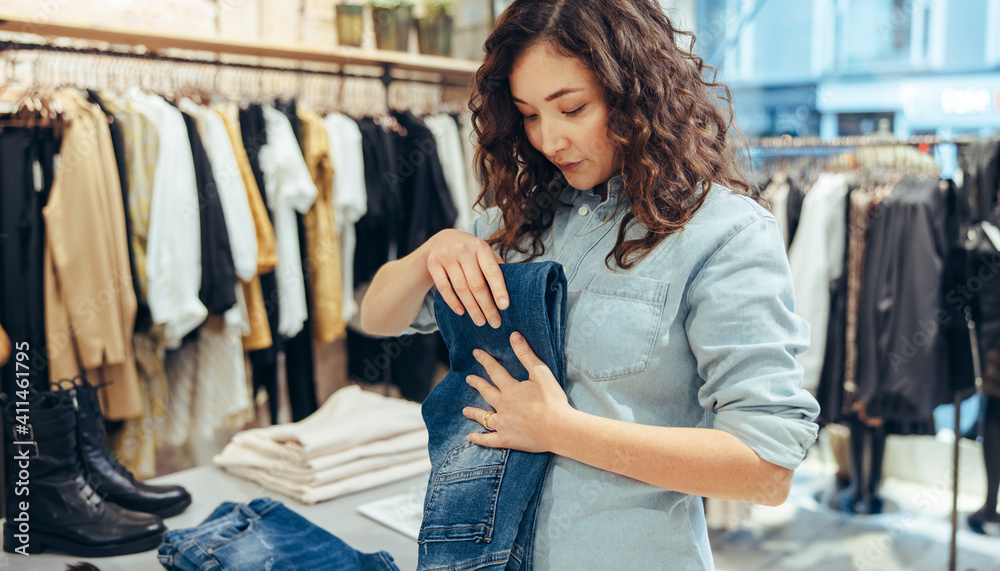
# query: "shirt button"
{"type": "Point", "coordinates": [584, 211]}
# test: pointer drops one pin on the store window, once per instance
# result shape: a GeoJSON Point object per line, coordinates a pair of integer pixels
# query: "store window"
{"type": "Point", "coordinates": [873, 34]}
{"type": "Point", "coordinates": [865, 123]}
{"type": "Point", "coordinates": [714, 20]}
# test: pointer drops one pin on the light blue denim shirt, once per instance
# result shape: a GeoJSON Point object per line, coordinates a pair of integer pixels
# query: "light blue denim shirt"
{"type": "Point", "coordinates": [701, 333]}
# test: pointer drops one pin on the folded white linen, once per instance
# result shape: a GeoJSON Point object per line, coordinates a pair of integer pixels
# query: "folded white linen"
{"type": "Point", "coordinates": [238, 456]}
{"type": "Point", "coordinates": [270, 454]}
{"type": "Point", "coordinates": [349, 418]}
{"type": "Point", "coordinates": [312, 494]}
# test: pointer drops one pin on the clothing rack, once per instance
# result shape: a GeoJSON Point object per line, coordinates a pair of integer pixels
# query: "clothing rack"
{"type": "Point", "coordinates": [818, 146]}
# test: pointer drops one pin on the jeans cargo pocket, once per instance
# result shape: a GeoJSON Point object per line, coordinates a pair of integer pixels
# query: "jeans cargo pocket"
{"type": "Point", "coordinates": [612, 326]}
{"type": "Point", "coordinates": [461, 502]}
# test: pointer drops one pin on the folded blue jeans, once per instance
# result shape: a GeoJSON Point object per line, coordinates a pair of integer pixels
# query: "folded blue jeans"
{"type": "Point", "coordinates": [263, 534]}
{"type": "Point", "coordinates": [479, 511]}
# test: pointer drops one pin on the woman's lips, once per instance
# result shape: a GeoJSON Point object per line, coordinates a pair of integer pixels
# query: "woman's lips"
{"type": "Point", "coordinates": [569, 167]}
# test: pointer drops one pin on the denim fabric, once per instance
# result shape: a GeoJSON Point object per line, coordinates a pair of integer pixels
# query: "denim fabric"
{"type": "Point", "coordinates": [479, 511]}
{"type": "Point", "coordinates": [701, 333]}
{"type": "Point", "coordinates": [263, 534]}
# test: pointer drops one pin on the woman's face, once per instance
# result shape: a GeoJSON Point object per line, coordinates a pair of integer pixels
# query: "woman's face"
{"type": "Point", "coordinates": [565, 116]}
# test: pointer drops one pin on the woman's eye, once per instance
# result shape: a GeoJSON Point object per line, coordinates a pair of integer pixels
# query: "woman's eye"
{"type": "Point", "coordinates": [530, 117]}
{"type": "Point", "coordinates": [576, 111]}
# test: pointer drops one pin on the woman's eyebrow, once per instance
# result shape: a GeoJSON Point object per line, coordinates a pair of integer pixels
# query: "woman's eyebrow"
{"type": "Point", "coordinates": [556, 95]}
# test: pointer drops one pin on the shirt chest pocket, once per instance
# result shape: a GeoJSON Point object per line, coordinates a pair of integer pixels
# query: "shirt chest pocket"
{"type": "Point", "coordinates": [611, 328]}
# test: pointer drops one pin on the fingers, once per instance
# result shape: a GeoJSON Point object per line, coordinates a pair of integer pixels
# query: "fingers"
{"type": "Point", "coordinates": [460, 283]}
{"type": "Point", "coordinates": [444, 288]}
{"type": "Point", "coordinates": [489, 262]}
{"type": "Point", "coordinates": [467, 273]}
{"type": "Point", "coordinates": [536, 367]}
{"type": "Point", "coordinates": [484, 299]}
{"type": "Point", "coordinates": [495, 370]}
{"type": "Point", "coordinates": [481, 416]}
{"type": "Point", "coordinates": [489, 393]}
{"type": "Point", "coordinates": [487, 439]}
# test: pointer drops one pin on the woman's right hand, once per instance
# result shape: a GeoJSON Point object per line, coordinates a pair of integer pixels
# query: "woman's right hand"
{"type": "Point", "coordinates": [467, 274]}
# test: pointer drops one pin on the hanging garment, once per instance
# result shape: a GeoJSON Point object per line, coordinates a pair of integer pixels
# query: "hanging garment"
{"type": "Point", "coordinates": [142, 317]}
{"type": "Point", "coordinates": [173, 248]}
{"type": "Point", "coordinates": [426, 201]}
{"type": "Point", "coordinates": [26, 172]}
{"type": "Point", "coordinates": [235, 207]}
{"type": "Point", "coordinates": [135, 444]}
{"type": "Point", "coordinates": [816, 257]}
{"type": "Point", "coordinates": [864, 205]}
{"type": "Point", "coordinates": [449, 148]}
{"type": "Point", "coordinates": [299, 362]}
{"type": "Point", "coordinates": [300, 365]}
{"type": "Point", "coordinates": [290, 110]}
{"type": "Point", "coordinates": [141, 144]}
{"type": "Point", "coordinates": [253, 130]}
{"type": "Point", "coordinates": [89, 301]}
{"type": "Point", "coordinates": [377, 230]}
{"type": "Point", "coordinates": [207, 383]}
{"type": "Point", "coordinates": [289, 190]}
{"type": "Point", "coordinates": [229, 185]}
{"type": "Point", "coordinates": [900, 366]}
{"type": "Point", "coordinates": [367, 360]}
{"type": "Point", "coordinates": [796, 196]}
{"type": "Point", "coordinates": [218, 274]}
{"type": "Point", "coordinates": [469, 144]}
{"type": "Point", "coordinates": [323, 264]}
{"type": "Point", "coordinates": [775, 197]}
{"type": "Point", "coordinates": [481, 502]}
{"type": "Point", "coordinates": [350, 197]}
{"type": "Point", "coordinates": [260, 329]}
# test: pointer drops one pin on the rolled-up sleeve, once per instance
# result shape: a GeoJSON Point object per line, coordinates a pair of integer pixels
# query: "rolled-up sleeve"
{"type": "Point", "coordinates": [745, 335]}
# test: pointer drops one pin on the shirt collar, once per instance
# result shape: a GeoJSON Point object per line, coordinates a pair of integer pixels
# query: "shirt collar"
{"type": "Point", "coordinates": [615, 184]}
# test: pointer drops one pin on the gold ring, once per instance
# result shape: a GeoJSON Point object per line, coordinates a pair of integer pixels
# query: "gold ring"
{"type": "Point", "coordinates": [486, 419]}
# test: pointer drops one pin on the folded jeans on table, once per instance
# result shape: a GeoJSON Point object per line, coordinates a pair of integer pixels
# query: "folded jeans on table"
{"type": "Point", "coordinates": [263, 534]}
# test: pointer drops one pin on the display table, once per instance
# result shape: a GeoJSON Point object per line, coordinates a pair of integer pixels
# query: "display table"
{"type": "Point", "coordinates": [210, 486]}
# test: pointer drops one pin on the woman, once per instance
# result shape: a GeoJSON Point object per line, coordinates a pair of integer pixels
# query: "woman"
{"type": "Point", "coordinates": [604, 151]}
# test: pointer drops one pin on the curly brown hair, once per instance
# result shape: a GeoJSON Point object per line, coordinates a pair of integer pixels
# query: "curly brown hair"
{"type": "Point", "coordinates": [665, 120]}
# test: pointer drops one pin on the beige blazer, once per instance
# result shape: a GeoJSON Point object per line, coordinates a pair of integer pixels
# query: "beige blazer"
{"type": "Point", "coordinates": [89, 301]}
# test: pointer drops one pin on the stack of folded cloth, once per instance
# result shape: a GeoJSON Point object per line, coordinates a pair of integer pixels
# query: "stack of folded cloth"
{"type": "Point", "coordinates": [263, 534]}
{"type": "Point", "coordinates": [357, 440]}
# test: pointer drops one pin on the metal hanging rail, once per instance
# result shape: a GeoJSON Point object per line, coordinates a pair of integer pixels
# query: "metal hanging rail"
{"type": "Point", "coordinates": [852, 141]}
{"type": "Point", "coordinates": [386, 76]}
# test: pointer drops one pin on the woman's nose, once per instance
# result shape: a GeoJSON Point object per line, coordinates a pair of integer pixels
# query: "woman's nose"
{"type": "Point", "coordinates": [554, 138]}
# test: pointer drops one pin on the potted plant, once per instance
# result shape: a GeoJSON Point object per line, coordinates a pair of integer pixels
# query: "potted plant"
{"type": "Point", "coordinates": [393, 20]}
{"type": "Point", "coordinates": [350, 24]}
{"type": "Point", "coordinates": [434, 29]}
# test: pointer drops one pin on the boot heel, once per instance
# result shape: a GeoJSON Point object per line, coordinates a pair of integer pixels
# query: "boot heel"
{"type": "Point", "coordinates": [11, 544]}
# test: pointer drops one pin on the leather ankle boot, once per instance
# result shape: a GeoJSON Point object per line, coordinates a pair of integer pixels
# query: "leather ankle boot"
{"type": "Point", "coordinates": [50, 502]}
{"type": "Point", "coordinates": [111, 479]}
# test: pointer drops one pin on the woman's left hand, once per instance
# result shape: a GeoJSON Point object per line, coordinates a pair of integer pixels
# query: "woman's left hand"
{"type": "Point", "coordinates": [526, 411]}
